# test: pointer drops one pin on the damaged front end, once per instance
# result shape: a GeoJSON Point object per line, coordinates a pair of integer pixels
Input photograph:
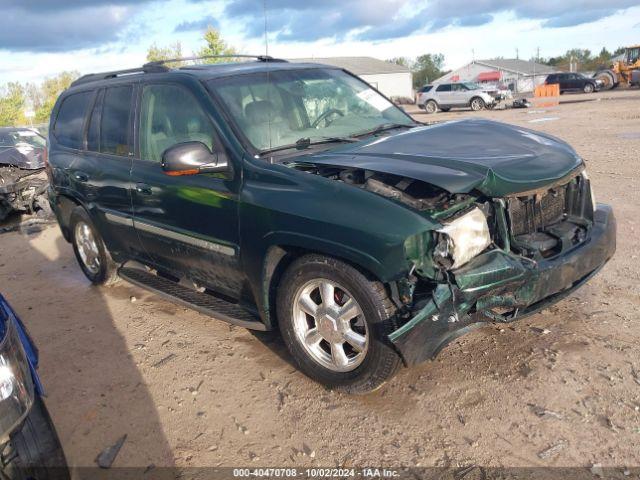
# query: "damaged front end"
{"type": "Point", "coordinates": [22, 190]}
{"type": "Point", "coordinates": [491, 259]}
{"type": "Point", "coordinates": [539, 246]}
{"type": "Point", "coordinates": [23, 181]}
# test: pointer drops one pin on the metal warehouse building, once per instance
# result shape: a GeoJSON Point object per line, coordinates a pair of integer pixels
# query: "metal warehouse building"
{"type": "Point", "coordinates": [518, 75]}
{"type": "Point", "coordinates": [394, 81]}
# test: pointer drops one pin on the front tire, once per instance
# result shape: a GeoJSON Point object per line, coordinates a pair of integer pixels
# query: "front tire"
{"type": "Point", "coordinates": [34, 451]}
{"type": "Point", "coordinates": [90, 250]}
{"type": "Point", "coordinates": [477, 104]}
{"type": "Point", "coordinates": [588, 88]}
{"type": "Point", "coordinates": [335, 323]}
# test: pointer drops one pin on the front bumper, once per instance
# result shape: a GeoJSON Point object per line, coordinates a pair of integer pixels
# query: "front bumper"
{"type": "Point", "coordinates": [498, 279]}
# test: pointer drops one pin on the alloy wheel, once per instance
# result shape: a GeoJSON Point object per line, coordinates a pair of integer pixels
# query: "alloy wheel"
{"type": "Point", "coordinates": [477, 104]}
{"type": "Point", "coordinates": [330, 325]}
{"type": "Point", "coordinates": [87, 247]}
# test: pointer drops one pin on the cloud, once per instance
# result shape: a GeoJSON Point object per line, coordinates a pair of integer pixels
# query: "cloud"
{"type": "Point", "coordinates": [62, 25]}
{"type": "Point", "coordinates": [62, 30]}
{"type": "Point", "coordinates": [571, 19]}
{"type": "Point", "coordinates": [295, 20]}
{"type": "Point", "coordinates": [197, 25]}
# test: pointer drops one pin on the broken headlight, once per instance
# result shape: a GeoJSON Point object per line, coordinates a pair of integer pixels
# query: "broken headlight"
{"type": "Point", "coordinates": [462, 239]}
{"type": "Point", "coordinates": [16, 383]}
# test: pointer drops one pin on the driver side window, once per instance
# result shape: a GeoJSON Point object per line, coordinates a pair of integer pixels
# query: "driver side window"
{"type": "Point", "coordinates": [169, 115]}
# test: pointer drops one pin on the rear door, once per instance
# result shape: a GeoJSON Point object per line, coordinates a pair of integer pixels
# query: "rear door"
{"type": "Point", "coordinates": [107, 166]}
{"type": "Point", "coordinates": [566, 82]}
{"type": "Point", "coordinates": [443, 94]}
{"type": "Point", "coordinates": [187, 224]}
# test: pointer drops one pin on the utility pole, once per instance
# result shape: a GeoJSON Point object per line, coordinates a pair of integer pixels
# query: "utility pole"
{"type": "Point", "coordinates": [517, 54]}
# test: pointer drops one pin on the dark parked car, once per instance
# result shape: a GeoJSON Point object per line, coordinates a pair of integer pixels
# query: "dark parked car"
{"type": "Point", "coordinates": [294, 196]}
{"type": "Point", "coordinates": [574, 82]}
{"type": "Point", "coordinates": [29, 445]}
{"type": "Point", "coordinates": [23, 183]}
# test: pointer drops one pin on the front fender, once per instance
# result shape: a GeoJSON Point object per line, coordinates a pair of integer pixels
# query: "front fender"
{"type": "Point", "coordinates": [285, 207]}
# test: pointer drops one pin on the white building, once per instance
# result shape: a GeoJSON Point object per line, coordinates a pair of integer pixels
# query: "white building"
{"type": "Point", "coordinates": [394, 81]}
{"type": "Point", "coordinates": [518, 75]}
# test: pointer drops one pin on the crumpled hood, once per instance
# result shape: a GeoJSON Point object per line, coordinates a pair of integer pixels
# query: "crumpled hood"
{"type": "Point", "coordinates": [31, 159]}
{"type": "Point", "coordinates": [492, 157]}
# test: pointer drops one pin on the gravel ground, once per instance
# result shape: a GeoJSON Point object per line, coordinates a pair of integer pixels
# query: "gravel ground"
{"type": "Point", "coordinates": [192, 391]}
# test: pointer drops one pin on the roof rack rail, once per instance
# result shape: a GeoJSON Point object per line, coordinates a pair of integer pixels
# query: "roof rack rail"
{"type": "Point", "coordinates": [93, 77]}
{"type": "Point", "coordinates": [260, 58]}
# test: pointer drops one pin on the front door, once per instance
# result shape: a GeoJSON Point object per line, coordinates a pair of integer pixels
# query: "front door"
{"type": "Point", "coordinates": [188, 225]}
{"type": "Point", "coordinates": [459, 94]}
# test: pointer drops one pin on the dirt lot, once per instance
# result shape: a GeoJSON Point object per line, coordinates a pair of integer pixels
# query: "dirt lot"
{"type": "Point", "coordinates": [191, 391]}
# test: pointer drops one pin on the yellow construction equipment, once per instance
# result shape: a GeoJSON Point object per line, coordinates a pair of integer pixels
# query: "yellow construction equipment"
{"type": "Point", "coordinates": [625, 72]}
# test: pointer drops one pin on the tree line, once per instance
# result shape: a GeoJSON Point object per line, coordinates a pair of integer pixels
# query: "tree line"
{"type": "Point", "coordinates": [17, 99]}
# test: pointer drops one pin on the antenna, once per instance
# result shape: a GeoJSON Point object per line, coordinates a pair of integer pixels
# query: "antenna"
{"type": "Point", "coordinates": [266, 49]}
{"type": "Point", "coordinates": [266, 36]}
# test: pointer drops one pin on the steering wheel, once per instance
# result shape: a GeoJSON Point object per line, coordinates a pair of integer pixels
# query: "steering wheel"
{"type": "Point", "coordinates": [324, 115]}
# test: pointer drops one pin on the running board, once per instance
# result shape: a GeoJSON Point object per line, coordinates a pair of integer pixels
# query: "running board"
{"type": "Point", "coordinates": [202, 302]}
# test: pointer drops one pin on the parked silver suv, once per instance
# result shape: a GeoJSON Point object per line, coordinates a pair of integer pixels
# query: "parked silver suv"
{"type": "Point", "coordinates": [453, 95]}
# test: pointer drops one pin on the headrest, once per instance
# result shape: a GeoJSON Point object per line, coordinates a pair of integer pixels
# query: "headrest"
{"type": "Point", "coordinates": [259, 111]}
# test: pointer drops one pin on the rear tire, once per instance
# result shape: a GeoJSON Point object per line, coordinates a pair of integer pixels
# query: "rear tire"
{"type": "Point", "coordinates": [431, 107]}
{"type": "Point", "coordinates": [34, 451]}
{"type": "Point", "coordinates": [92, 254]}
{"type": "Point", "coordinates": [362, 369]}
{"type": "Point", "coordinates": [477, 104]}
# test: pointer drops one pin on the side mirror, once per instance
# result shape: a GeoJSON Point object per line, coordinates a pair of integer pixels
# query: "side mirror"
{"type": "Point", "coordinates": [191, 158]}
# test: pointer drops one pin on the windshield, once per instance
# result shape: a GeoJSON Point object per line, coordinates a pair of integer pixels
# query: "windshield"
{"type": "Point", "coordinates": [471, 85]}
{"type": "Point", "coordinates": [311, 104]}
{"type": "Point", "coordinates": [18, 138]}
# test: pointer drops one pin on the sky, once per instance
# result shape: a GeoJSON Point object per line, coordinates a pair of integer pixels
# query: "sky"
{"type": "Point", "coordinates": [40, 38]}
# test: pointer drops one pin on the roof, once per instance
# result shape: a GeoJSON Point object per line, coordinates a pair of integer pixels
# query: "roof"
{"type": "Point", "coordinates": [515, 65]}
{"type": "Point", "coordinates": [204, 72]}
{"type": "Point", "coordinates": [358, 65]}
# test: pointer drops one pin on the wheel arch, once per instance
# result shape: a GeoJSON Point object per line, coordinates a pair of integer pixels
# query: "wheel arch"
{"type": "Point", "coordinates": [63, 205]}
{"type": "Point", "coordinates": [279, 256]}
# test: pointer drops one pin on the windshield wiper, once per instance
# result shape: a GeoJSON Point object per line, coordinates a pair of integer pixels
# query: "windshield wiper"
{"type": "Point", "coordinates": [382, 128]}
{"type": "Point", "coordinates": [305, 142]}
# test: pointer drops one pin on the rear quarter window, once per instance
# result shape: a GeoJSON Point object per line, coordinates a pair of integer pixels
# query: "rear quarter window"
{"type": "Point", "coordinates": [426, 88]}
{"type": "Point", "coordinates": [69, 126]}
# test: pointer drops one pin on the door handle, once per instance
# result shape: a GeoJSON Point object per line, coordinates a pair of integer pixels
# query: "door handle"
{"type": "Point", "coordinates": [143, 189]}
{"type": "Point", "coordinates": [81, 177]}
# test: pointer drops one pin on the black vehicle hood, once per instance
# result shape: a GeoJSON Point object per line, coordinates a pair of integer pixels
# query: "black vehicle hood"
{"type": "Point", "coordinates": [492, 157]}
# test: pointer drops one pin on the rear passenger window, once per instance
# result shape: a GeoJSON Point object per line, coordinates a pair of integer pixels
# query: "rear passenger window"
{"type": "Point", "coordinates": [115, 127]}
{"type": "Point", "coordinates": [444, 88]}
{"type": "Point", "coordinates": [69, 126]}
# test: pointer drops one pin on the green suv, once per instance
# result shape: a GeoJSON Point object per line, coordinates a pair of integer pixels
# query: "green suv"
{"type": "Point", "coordinates": [276, 195]}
